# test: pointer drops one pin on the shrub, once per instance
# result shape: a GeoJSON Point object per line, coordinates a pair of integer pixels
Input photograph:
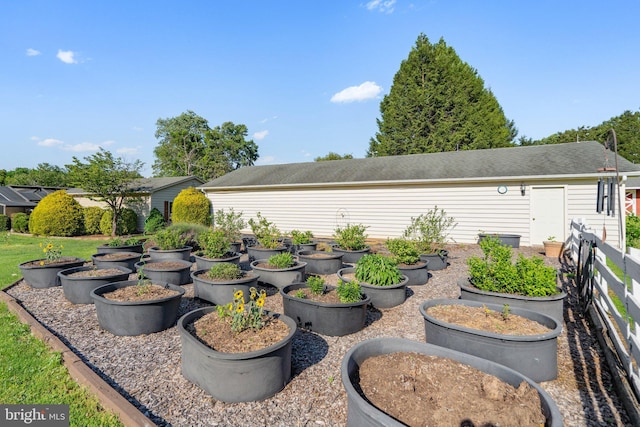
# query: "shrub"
{"type": "Point", "coordinates": [127, 222]}
{"type": "Point", "coordinates": [20, 222]}
{"type": "Point", "coordinates": [633, 231]}
{"type": "Point", "coordinates": [377, 270]}
{"type": "Point", "coordinates": [57, 214]}
{"type": "Point", "coordinates": [282, 260]}
{"type": "Point", "coordinates": [121, 241]}
{"type": "Point", "coordinates": [92, 217]}
{"type": "Point", "coordinates": [225, 271]}
{"type": "Point", "coordinates": [430, 231]}
{"type": "Point", "coordinates": [404, 251]}
{"type": "Point", "coordinates": [189, 232]}
{"type": "Point", "coordinates": [214, 243]}
{"type": "Point", "coordinates": [230, 222]}
{"type": "Point", "coordinates": [170, 238]}
{"type": "Point", "coordinates": [265, 232]}
{"type": "Point", "coordinates": [301, 237]}
{"type": "Point", "coordinates": [191, 206]}
{"type": "Point", "coordinates": [316, 284]}
{"type": "Point", "coordinates": [349, 292]}
{"type": "Point", "coordinates": [154, 222]}
{"type": "Point", "coordinates": [5, 222]}
{"type": "Point", "coordinates": [352, 237]}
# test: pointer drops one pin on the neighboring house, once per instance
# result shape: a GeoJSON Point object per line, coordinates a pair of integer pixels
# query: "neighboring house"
{"type": "Point", "coordinates": [152, 193]}
{"type": "Point", "coordinates": [533, 191]}
{"type": "Point", "coordinates": [22, 198]}
{"type": "Point", "coordinates": [632, 196]}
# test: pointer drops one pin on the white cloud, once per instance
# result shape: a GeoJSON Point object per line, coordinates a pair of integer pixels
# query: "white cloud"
{"type": "Point", "coordinates": [48, 142]}
{"type": "Point", "coordinates": [260, 135]}
{"type": "Point", "coordinates": [367, 90]}
{"type": "Point", "coordinates": [67, 56]}
{"type": "Point", "coordinates": [266, 160]}
{"type": "Point", "coordinates": [82, 147]}
{"type": "Point", "coordinates": [33, 52]}
{"type": "Point", "coordinates": [384, 6]}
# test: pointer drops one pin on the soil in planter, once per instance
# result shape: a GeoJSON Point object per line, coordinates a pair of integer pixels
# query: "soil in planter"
{"type": "Point", "coordinates": [423, 390]}
{"type": "Point", "coordinates": [97, 272]}
{"type": "Point", "coordinates": [320, 256]}
{"type": "Point", "coordinates": [484, 319]}
{"type": "Point", "coordinates": [268, 266]}
{"type": "Point", "coordinates": [164, 265]}
{"type": "Point", "coordinates": [205, 276]}
{"type": "Point", "coordinates": [144, 292]}
{"type": "Point", "coordinates": [40, 263]}
{"type": "Point", "coordinates": [328, 297]}
{"type": "Point", "coordinates": [216, 333]}
{"type": "Point", "coordinates": [117, 256]}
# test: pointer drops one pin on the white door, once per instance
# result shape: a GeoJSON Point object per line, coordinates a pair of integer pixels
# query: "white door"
{"type": "Point", "coordinates": [547, 214]}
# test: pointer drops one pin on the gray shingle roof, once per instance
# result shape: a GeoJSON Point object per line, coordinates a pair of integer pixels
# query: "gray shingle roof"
{"type": "Point", "coordinates": [576, 158]}
{"type": "Point", "coordinates": [147, 185]}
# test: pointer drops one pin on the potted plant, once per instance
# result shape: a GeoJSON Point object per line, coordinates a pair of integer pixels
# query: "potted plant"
{"type": "Point", "coordinates": [528, 283]}
{"type": "Point", "coordinates": [420, 366]}
{"type": "Point", "coordinates": [231, 224]}
{"type": "Point", "coordinates": [237, 352]}
{"type": "Point", "coordinates": [170, 244]}
{"type": "Point", "coordinates": [380, 278]}
{"type": "Point", "coordinates": [43, 273]}
{"type": "Point", "coordinates": [512, 240]}
{"type": "Point", "coordinates": [174, 271]}
{"type": "Point", "coordinates": [221, 281]}
{"type": "Point", "coordinates": [552, 247]}
{"type": "Point", "coordinates": [78, 282]}
{"type": "Point", "coordinates": [268, 238]}
{"type": "Point", "coordinates": [406, 255]}
{"type": "Point", "coordinates": [351, 242]}
{"type": "Point", "coordinates": [520, 339]}
{"type": "Point", "coordinates": [279, 270]}
{"type": "Point", "coordinates": [321, 262]}
{"type": "Point", "coordinates": [122, 244]}
{"type": "Point", "coordinates": [302, 240]}
{"type": "Point", "coordinates": [333, 311]}
{"type": "Point", "coordinates": [215, 248]}
{"type": "Point", "coordinates": [430, 232]}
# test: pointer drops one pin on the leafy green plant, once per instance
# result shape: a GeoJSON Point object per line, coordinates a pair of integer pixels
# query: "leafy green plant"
{"type": "Point", "coordinates": [349, 292]}
{"type": "Point", "coordinates": [170, 238]}
{"type": "Point", "coordinates": [5, 222]}
{"type": "Point", "coordinates": [316, 284]}
{"type": "Point", "coordinates": [404, 251]}
{"type": "Point", "coordinates": [20, 222]}
{"type": "Point", "coordinates": [505, 312]}
{"type": "Point", "coordinates": [127, 222]}
{"type": "Point", "coordinates": [496, 272]}
{"type": "Point", "coordinates": [225, 271]}
{"type": "Point", "coordinates": [301, 237]}
{"type": "Point", "coordinates": [300, 294]}
{"type": "Point", "coordinates": [214, 243]}
{"type": "Point", "coordinates": [351, 237]}
{"type": "Point", "coordinates": [282, 260]}
{"type": "Point", "coordinates": [244, 314]}
{"type": "Point", "coordinates": [57, 214]}
{"type": "Point", "coordinates": [377, 270]}
{"type": "Point", "coordinates": [191, 206]}
{"type": "Point", "coordinates": [430, 231]}
{"type": "Point", "coordinates": [632, 231]}
{"type": "Point", "coordinates": [230, 222]}
{"type": "Point", "coordinates": [52, 252]}
{"type": "Point", "coordinates": [123, 241]}
{"type": "Point", "coordinates": [144, 285]}
{"type": "Point", "coordinates": [154, 222]}
{"type": "Point", "coordinates": [266, 232]}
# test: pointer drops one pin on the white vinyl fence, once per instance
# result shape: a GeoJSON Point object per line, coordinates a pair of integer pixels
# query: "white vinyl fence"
{"type": "Point", "coordinates": [625, 334]}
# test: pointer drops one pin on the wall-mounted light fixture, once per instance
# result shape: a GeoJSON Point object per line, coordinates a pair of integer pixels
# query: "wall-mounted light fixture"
{"type": "Point", "coordinates": [522, 189]}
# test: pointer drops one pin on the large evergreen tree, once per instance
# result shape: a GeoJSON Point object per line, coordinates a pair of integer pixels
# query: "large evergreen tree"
{"type": "Point", "coordinates": [438, 103]}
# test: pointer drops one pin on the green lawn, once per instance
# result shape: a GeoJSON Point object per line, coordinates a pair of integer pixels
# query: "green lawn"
{"type": "Point", "coordinates": [29, 372]}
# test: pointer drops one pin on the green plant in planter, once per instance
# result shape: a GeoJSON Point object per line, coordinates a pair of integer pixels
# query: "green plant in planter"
{"type": "Point", "coordinates": [170, 238]}
{"type": "Point", "coordinates": [144, 285]}
{"type": "Point", "coordinates": [316, 284]}
{"type": "Point", "coordinates": [121, 241]}
{"type": "Point", "coordinates": [377, 270]}
{"type": "Point", "coordinates": [404, 251]}
{"type": "Point", "coordinates": [430, 231]}
{"type": "Point", "coordinates": [349, 292]}
{"type": "Point", "coordinates": [496, 272]}
{"type": "Point", "coordinates": [301, 237]}
{"type": "Point", "coordinates": [230, 222]}
{"type": "Point", "coordinates": [265, 232]}
{"type": "Point", "coordinates": [282, 260]}
{"type": "Point", "coordinates": [214, 243]}
{"type": "Point", "coordinates": [225, 271]}
{"type": "Point", "coordinates": [351, 237]}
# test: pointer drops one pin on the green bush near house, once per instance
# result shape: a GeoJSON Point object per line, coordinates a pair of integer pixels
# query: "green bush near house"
{"type": "Point", "coordinates": [57, 214]}
{"type": "Point", "coordinates": [191, 206]}
{"type": "Point", "coordinates": [5, 222]}
{"type": "Point", "coordinates": [92, 217]}
{"type": "Point", "coordinates": [154, 222]}
{"type": "Point", "coordinates": [127, 222]}
{"type": "Point", "coordinates": [20, 222]}
{"type": "Point", "coordinates": [633, 231]}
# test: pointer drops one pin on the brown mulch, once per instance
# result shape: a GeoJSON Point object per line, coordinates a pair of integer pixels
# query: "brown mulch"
{"type": "Point", "coordinates": [96, 272]}
{"type": "Point", "coordinates": [142, 292]}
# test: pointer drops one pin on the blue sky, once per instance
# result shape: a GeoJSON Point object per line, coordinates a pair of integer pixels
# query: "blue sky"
{"type": "Point", "coordinates": [305, 77]}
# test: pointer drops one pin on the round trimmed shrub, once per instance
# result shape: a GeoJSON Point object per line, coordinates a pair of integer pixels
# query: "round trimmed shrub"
{"type": "Point", "coordinates": [92, 217]}
{"type": "Point", "coordinates": [127, 222]}
{"type": "Point", "coordinates": [5, 222]}
{"type": "Point", "coordinates": [154, 222]}
{"type": "Point", "coordinates": [20, 222]}
{"type": "Point", "coordinates": [191, 206]}
{"type": "Point", "coordinates": [57, 214]}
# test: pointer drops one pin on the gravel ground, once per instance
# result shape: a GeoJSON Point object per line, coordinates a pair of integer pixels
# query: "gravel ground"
{"type": "Point", "coordinates": [146, 369]}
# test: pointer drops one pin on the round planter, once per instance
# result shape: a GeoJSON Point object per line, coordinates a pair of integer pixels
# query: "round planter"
{"type": "Point", "coordinates": [257, 252]}
{"type": "Point", "coordinates": [106, 249]}
{"type": "Point", "coordinates": [551, 306]}
{"type": "Point", "coordinates": [204, 263]}
{"type": "Point", "coordinates": [323, 318]}
{"type": "Point", "coordinates": [136, 317]}
{"type": "Point", "coordinates": [219, 292]}
{"type": "Point", "coordinates": [116, 259]}
{"type": "Point", "coordinates": [418, 274]}
{"type": "Point", "coordinates": [436, 261]}
{"type": "Point", "coordinates": [78, 289]}
{"type": "Point", "coordinates": [534, 356]}
{"type": "Point", "coordinates": [279, 277]}
{"type": "Point", "coordinates": [46, 276]}
{"type": "Point", "coordinates": [235, 247]}
{"type": "Point", "coordinates": [362, 413]}
{"type": "Point", "coordinates": [235, 377]}
{"type": "Point", "coordinates": [320, 262]}
{"type": "Point", "coordinates": [512, 240]}
{"type": "Point", "coordinates": [304, 247]}
{"type": "Point", "coordinates": [157, 254]}
{"type": "Point", "coordinates": [351, 257]}
{"type": "Point", "coordinates": [381, 296]}
{"type": "Point", "coordinates": [178, 275]}
{"type": "Point", "coordinates": [552, 248]}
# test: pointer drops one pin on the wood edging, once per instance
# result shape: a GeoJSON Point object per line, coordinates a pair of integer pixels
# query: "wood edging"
{"type": "Point", "coordinates": [109, 398]}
